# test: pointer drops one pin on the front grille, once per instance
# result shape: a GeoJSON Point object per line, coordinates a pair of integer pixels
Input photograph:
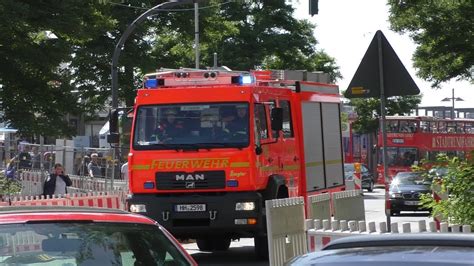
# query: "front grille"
{"type": "Point", "coordinates": [414, 195]}
{"type": "Point", "coordinates": [190, 181]}
{"type": "Point", "coordinates": [191, 222]}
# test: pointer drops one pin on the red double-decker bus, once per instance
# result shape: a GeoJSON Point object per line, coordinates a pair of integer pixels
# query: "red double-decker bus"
{"type": "Point", "coordinates": [410, 139]}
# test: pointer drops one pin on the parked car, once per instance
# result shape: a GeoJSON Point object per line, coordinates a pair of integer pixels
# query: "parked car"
{"type": "Point", "coordinates": [405, 191]}
{"type": "Point", "coordinates": [366, 176]}
{"type": "Point", "coordinates": [394, 249]}
{"type": "Point", "coordinates": [85, 236]}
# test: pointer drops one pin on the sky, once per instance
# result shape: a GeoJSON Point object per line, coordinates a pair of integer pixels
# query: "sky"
{"type": "Point", "coordinates": [345, 28]}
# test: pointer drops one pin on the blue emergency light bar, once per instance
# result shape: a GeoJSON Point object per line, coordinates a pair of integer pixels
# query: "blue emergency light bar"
{"type": "Point", "coordinates": [202, 78]}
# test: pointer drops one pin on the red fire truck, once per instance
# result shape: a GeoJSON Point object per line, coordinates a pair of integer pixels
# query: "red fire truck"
{"type": "Point", "coordinates": [410, 139]}
{"type": "Point", "coordinates": [208, 147]}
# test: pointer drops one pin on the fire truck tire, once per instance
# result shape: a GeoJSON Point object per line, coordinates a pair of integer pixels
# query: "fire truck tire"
{"type": "Point", "coordinates": [221, 244]}
{"type": "Point", "coordinates": [261, 247]}
{"type": "Point", "coordinates": [204, 244]}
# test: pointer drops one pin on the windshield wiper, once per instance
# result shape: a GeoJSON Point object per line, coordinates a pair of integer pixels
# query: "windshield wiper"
{"type": "Point", "coordinates": [221, 145]}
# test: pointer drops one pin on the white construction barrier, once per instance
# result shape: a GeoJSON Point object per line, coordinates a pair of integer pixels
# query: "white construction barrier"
{"type": "Point", "coordinates": [324, 232]}
{"type": "Point", "coordinates": [32, 184]}
{"type": "Point", "coordinates": [286, 229]}
{"type": "Point", "coordinates": [348, 205]}
{"type": "Point", "coordinates": [110, 200]}
{"type": "Point", "coordinates": [319, 206]}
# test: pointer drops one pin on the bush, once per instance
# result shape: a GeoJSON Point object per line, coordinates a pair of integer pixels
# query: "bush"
{"type": "Point", "coordinates": [458, 183]}
{"type": "Point", "coordinates": [8, 186]}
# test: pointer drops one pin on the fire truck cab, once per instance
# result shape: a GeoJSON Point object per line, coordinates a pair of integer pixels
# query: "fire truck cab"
{"type": "Point", "coordinates": [208, 147]}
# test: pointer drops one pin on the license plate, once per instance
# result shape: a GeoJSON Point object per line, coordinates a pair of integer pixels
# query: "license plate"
{"type": "Point", "coordinates": [413, 203]}
{"type": "Point", "coordinates": [190, 207]}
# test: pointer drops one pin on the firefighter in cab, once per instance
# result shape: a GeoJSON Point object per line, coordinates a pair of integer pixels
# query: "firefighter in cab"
{"type": "Point", "coordinates": [170, 127]}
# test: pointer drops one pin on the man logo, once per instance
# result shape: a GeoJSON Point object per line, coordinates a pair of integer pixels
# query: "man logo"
{"type": "Point", "coordinates": [190, 177]}
{"type": "Point", "coordinates": [190, 185]}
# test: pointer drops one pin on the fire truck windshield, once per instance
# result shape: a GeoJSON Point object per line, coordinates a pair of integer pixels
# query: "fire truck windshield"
{"type": "Point", "coordinates": [192, 126]}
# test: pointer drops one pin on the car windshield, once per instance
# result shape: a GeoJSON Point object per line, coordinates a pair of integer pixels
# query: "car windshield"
{"type": "Point", "coordinates": [182, 126]}
{"type": "Point", "coordinates": [408, 178]}
{"type": "Point", "coordinates": [86, 243]}
{"type": "Point", "coordinates": [348, 170]}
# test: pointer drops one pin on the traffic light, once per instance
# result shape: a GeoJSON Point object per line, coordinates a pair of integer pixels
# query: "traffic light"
{"type": "Point", "coordinates": [313, 7]}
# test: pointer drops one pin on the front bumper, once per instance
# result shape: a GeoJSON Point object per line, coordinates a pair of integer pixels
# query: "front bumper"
{"type": "Point", "coordinates": [217, 220]}
{"type": "Point", "coordinates": [406, 205]}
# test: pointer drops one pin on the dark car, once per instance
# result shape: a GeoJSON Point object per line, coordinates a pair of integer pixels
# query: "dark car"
{"type": "Point", "coordinates": [84, 236]}
{"type": "Point", "coordinates": [394, 249]}
{"type": "Point", "coordinates": [405, 192]}
{"type": "Point", "coordinates": [366, 176]}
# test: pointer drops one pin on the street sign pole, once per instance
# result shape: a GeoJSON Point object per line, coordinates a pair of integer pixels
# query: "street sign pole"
{"type": "Point", "coordinates": [383, 129]}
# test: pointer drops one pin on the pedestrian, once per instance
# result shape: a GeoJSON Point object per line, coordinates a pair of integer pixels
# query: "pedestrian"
{"type": "Point", "coordinates": [35, 158]}
{"type": "Point", "coordinates": [93, 167]}
{"type": "Point", "coordinates": [57, 182]}
{"type": "Point", "coordinates": [10, 171]}
{"type": "Point", "coordinates": [83, 168]}
{"type": "Point", "coordinates": [124, 171]}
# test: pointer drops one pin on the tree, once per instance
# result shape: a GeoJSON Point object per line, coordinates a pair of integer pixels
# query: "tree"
{"type": "Point", "coordinates": [245, 35]}
{"type": "Point", "coordinates": [458, 182]}
{"type": "Point", "coordinates": [444, 33]}
{"type": "Point", "coordinates": [44, 80]}
{"type": "Point", "coordinates": [368, 111]}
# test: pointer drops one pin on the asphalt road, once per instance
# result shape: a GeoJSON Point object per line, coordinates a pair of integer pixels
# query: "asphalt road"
{"type": "Point", "coordinates": [242, 252]}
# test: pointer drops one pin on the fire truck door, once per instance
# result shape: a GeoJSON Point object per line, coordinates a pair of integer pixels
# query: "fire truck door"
{"type": "Point", "coordinates": [289, 159]}
{"type": "Point", "coordinates": [267, 162]}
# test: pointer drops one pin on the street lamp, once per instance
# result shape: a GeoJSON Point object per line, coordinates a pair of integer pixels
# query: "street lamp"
{"type": "Point", "coordinates": [128, 32]}
{"type": "Point", "coordinates": [453, 99]}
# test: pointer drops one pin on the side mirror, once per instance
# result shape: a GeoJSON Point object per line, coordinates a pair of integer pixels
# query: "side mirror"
{"type": "Point", "coordinates": [277, 118]}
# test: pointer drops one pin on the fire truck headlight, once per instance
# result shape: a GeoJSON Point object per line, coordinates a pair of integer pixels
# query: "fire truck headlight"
{"type": "Point", "coordinates": [245, 206]}
{"type": "Point", "coordinates": [138, 208]}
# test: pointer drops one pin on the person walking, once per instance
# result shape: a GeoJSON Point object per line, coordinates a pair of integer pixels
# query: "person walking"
{"type": "Point", "coordinates": [57, 182]}
{"type": "Point", "coordinates": [93, 167]}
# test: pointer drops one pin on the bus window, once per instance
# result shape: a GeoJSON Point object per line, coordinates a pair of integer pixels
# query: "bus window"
{"type": "Point", "coordinates": [408, 156]}
{"type": "Point", "coordinates": [442, 127]}
{"type": "Point", "coordinates": [469, 127]}
{"type": "Point", "coordinates": [434, 126]}
{"type": "Point", "coordinates": [460, 127]}
{"type": "Point", "coordinates": [451, 127]}
{"type": "Point", "coordinates": [400, 156]}
{"type": "Point", "coordinates": [412, 125]}
{"type": "Point", "coordinates": [391, 156]}
{"type": "Point", "coordinates": [404, 127]}
{"type": "Point", "coordinates": [392, 126]}
{"type": "Point", "coordinates": [425, 126]}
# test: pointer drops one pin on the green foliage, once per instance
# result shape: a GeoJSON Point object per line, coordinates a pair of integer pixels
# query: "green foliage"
{"type": "Point", "coordinates": [444, 33]}
{"type": "Point", "coordinates": [458, 183]}
{"type": "Point", "coordinates": [368, 111]}
{"type": "Point", "coordinates": [8, 186]}
{"type": "Point", "coordinates": [44, 79]}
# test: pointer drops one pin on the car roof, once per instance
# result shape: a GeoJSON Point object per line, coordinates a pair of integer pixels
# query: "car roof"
{"type": "Point", "coordinates": [394, 249]}
{"type": "Point", "coordinates": [23, 214]}
{"type": "Point", "coordinates": [436, 239]}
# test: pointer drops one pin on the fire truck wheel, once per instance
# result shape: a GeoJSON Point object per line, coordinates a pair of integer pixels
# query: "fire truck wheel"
{"type": "Point", "coordinates": [204, 244]}
{"type": "Point", "coordinates": [261, 247]}
{"type": "Point", "coordinates": [221, 244]}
